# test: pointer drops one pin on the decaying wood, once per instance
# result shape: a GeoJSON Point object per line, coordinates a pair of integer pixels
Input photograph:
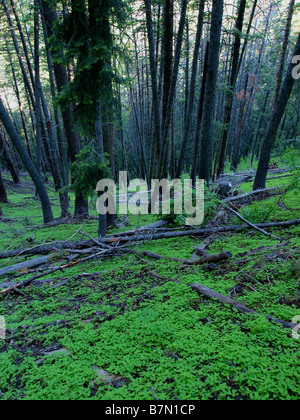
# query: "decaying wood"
{"type": "Point", "coordinates": [212, 294]}
{"type": "Point", "coordinates": [207, 258]}
{"type": "Point", "coordinates": [207, 261]}
{"type": "Point", "coordinates": [262, 248]}
{"type": "Point", "coordinates": [152, 228]}
{"type": "Point", "coordinates": [53, 270]}
{"type": "Point", "coordinates": [25, 265]}
{"type": "Point", "coordinates": [262, 191]}
{"type": "Point", "coordinates": [252, 225]}
{"type": "Point", "coordinates": [113, 241]}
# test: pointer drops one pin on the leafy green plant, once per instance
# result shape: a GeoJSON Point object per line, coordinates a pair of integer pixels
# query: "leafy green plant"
{"type": "Point", "coordinates": [258, 212]}
{"type": "Point", "coordinates": [292, 159]}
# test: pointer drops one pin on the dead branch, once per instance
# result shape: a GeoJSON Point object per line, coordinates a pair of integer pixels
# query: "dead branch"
{"type": "Point", "coordinates": [207, 258]}
{"type": "Point", "coordinates": [212, 294]}
{"type": "Point", "coordinates": [252, 225]}
{"type": "Point", "coordinates": [53, 270]}
{"type": "Point", "coordinates": [25, 265]}
{"type": "Point", "coordinates": [152, 227]}
{"type": "Point", "coordinates": [261, 249]}
{"type": "Point", "coordinates": [240, 197]}
{"type": "Point", "coordinates": [113, 241]}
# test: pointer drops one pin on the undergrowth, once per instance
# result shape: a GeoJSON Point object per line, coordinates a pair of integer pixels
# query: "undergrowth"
{"type": "Point", "coordinates": [113, 315]}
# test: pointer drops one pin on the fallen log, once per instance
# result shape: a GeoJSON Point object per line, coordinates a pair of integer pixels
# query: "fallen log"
{"type": "Point", "coordinates": [206, 258]}
{"type": "Point", "coordinates": [212, 294]}
{"type": "Point", "coordinates": [25, 265]}
{"type": "Point", "coordinates": [46, 249]}
{"type": "Point", "coordinates": [152, 227]}
{"type": "Point", "coordinates": [208, 261]}
{"type": "Point", "coordinates": [252, 225]}
{"type": "Point", "coordinates": [262, 191]}
{"type": "Point", "coordinates": [27, 282]}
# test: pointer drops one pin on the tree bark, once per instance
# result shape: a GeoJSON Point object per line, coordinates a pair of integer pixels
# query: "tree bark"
{"type": "Point", "coordinates": [37, 91]}
{"type": "Point", "coordinates": [210, 90]}
{"type": "Point", "coordinates": [61, 77]}
{"type": "Point", "coordinates": [232, 83]}
{"type": "Point", "coordinates": [3, 195]}
{"type": "Point", "coordinates": [5, 151]}
{"type": "Point", "coordinates": [192, 88]}
{"type": "Point", "coordinates": [199, 119]}
{"type": "Point", "coordinates": [29, 165]}
{"type": "Point", "coordinates": [156, 139]}
{"type": "Point", "coordinates": [284, 49]}
{"type": "Point", "coordinates": [276, 117]}
{"type": "Point", "coordinates": [163, 167]}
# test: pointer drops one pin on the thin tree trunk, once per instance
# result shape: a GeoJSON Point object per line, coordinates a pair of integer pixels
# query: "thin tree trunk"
{"type": "Point", "coordinates": [154, 86]}
{"type": "Point", "coordinates": [59, 134]}
{"type": "Point", "coordinates": [210, 90]}
{"type": "Point", "coordinates": [258, 133]}
{"type": "Point", "coordinates": [199, 118]}
{"type": "Point", "coordinates": [72, 138]}
{"type": "Point", "coordinates": [232, 84]}
{"type": "Point", "coordinates": [3, 195]}
{"type": "Point", "coordinates": [9, 157]}
{"type": "Point", "coordinates": [284, 50]}
{"type": "Point", "coordinates": [17, 142]}
{"type": "Point", "coordinates": [275, 120]}
{"type": "Point", "coordinates": [17, 91]}
{"type": "Point", "coordinates": [23, 41]}
{"type": "Point", "coordinates": [167, 53]}
{"type": "Point", "coordinates": [17, 48]}
{"type": "Point", "coordinates": [191, 95]}
{"type": "Point", "coordinates": [165, 155]}
{"type": "Point", "coordinates": [38, 112]}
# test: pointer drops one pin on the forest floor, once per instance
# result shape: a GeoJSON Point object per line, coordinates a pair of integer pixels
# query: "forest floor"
{"type": "Point", "coordinates": [112, 329]}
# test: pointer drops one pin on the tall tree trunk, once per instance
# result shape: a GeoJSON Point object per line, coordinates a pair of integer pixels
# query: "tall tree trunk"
{"type": "Point", "coordinates": [154, 85]}
{"type": "Point", "coordinates": [38, 112]}
{"type": "Point", "coordinates": [21, 149]}
{"type": "Point", "coordinates": [258, 130]}
{"type": "Point", "coordinates": [275, 120]}
{"type": "Point", "coordinates": [167, 53]}
{"type": "Point", "coordinates": [192, 88]}
{"type": "Point", "coordinates": [26, 79]}
{"type": "Point", "coordinates": [165, 155]}
{"type": "Point", "coordinates": [5, 151]}
{"type": "Point", "coordinates": [60, 140]}
{"type": "Point", "coordinates": [17, 91]}
{"type": "Point", "coordinates": [199, 119]}
{"type": "Point", "coordinates": [24, 44]}
{"type": "Point", "coordinates": [232, 83]}
{"type": "Point", "coordinates": [210, 90]}
{"type": "Point", "coordinates": [284, 49]}
{"type": "Point", "coordinates": [72, 138]}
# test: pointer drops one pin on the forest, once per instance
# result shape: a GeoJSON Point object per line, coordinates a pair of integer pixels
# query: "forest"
{"type": "Point", "coordinates": [122, 124]}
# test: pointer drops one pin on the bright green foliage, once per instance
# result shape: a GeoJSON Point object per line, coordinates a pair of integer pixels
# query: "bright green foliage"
{"type": "Point", "coordinates": [114, 315]}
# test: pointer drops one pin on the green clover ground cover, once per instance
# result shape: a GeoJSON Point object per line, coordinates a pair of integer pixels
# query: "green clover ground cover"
{"type": "Point", "coordinates": [114, 316]}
